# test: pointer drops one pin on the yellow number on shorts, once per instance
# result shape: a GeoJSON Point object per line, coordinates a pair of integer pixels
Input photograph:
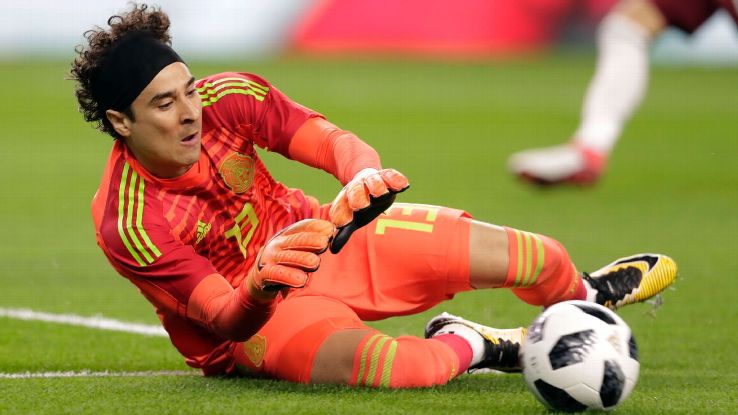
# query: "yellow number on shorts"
{"type": "Point", "coordinates": [410, 225]}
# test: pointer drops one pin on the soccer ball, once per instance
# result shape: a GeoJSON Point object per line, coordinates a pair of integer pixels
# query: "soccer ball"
{"type": "Point", "coordinates": [579, 355]}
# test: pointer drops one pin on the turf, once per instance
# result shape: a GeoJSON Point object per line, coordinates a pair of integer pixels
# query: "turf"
{"type": "Point", "coordinates": [672, 188]}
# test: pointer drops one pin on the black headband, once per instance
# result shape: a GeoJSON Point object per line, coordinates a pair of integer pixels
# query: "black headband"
{"type": "Point", "coordinates": [132, 62]}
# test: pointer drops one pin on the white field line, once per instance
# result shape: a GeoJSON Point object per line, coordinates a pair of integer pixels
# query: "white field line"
{"type": "Point", "coordinates": [103, 374]}
{"type": "Point", "coordinates": [100, 323]}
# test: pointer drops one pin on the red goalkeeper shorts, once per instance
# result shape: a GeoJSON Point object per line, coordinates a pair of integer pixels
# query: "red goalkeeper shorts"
{"type": "Point", "coordinates": [404, 262]}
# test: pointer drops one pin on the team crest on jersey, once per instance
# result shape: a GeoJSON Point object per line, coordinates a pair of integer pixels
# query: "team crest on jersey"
{"type": "Point", "coordinates": [237, 171]}
{"type": "Point", "coordinates": [254, 349]}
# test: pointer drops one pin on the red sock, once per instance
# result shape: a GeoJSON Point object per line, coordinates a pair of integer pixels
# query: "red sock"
{"type": "Point", "coordinates": [409, 362]}
{"type": "Point", "coordinates": [540, 271]}
{"type": "Point", "coordinates": [460, 346]}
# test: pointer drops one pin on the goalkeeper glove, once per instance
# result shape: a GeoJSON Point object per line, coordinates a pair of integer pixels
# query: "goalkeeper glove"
{"type": "Point", "coordinates": [368, 194]}
{"type": "Point", "coordinates": [288, 257]}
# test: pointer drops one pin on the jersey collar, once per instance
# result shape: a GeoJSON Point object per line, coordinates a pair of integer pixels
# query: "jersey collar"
{"type": "Point", "coordinates": [196, 176]}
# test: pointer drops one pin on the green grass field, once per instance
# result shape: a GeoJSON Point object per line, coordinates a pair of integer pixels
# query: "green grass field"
{"type": "Point", "coordinates": [672, 188]}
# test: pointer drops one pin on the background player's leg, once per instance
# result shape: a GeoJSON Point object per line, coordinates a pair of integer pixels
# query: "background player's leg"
{"type": "Point", "coordinates": [615, 91]}
{"type": "Point", "coordinates": [621, 74]}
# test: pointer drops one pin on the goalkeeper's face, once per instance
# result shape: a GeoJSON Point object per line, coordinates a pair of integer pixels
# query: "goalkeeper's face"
{"type": "Point", "coordinates": [165, 131]}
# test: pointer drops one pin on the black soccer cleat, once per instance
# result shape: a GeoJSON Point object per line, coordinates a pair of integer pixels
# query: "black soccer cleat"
{"type": "Point", "coordinates": [501, 346]}
{"type": "Point", "coordinates": [632, 280]}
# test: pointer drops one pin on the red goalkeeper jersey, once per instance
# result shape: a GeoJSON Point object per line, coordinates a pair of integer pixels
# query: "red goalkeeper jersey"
{"type": "Point", "coordinates": [166, 235]}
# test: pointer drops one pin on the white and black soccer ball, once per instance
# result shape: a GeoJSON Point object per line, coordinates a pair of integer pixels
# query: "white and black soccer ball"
{"type": "Point", "coordinates": [579, 355]}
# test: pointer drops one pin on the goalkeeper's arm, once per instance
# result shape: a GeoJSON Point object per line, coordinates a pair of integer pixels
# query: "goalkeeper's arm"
{"type": "Point", "coordinates": [368, 189]}
{"type": "Point", "coordinates": [319, 143]}
{"type": "Point", "coordinates": [285, 261]}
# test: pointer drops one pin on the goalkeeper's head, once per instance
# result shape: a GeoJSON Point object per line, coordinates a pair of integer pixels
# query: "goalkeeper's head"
{"type": "Point", "coordinates": [135, 87]}
{"type": "Point", "coordinates": [116, 64]}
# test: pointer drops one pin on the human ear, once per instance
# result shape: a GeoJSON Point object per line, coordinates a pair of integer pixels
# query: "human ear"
{"type": "Point", "coordinates": [120, 121]}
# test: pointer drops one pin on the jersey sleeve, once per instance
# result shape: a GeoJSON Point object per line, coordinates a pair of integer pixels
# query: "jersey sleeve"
{"type": "Point", "coordinates": [137, 241]}
{"type": "Point", "coordinates": [254, 108]}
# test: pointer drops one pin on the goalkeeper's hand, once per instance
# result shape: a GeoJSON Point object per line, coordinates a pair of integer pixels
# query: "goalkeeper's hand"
{"type": "Point", "coordinates": [288, 257]}
{"type": "Point", "coordinates": [368, 194]}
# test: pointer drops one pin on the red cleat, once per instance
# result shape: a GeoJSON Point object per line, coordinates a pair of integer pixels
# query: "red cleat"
{"type": "Point", "coordinates": [562, 164]}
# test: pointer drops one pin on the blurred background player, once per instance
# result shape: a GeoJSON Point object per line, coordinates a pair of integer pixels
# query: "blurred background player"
{"type": "Point", "coordinates": [619, 84]}
{"type": "Point", "coordinates": [235, 263]}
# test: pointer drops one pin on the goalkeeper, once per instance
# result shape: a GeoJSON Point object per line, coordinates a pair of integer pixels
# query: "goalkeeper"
{"type": "Point", "coordinates": [238, 265]}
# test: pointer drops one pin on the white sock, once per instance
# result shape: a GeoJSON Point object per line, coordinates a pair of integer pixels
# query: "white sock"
{"type": "Point", "coordinates": [619, 83]}
{"type": "Point", "coordinates": [591, 292]}
{"type": "Point", "coordinates": [475, 340]}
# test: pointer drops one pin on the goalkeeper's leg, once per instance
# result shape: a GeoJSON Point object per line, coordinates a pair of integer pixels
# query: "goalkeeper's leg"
{"type": "Point", "coordinates": [539, 271]}
{"type": "Point", "coordinates": [315, 339]}
{"type": "Point", "coordinates": [317, 335]}
{"type": "Point", "coordinates": [537, 268]}
{"type": "Point", "coordinates": [372, 359]}
{"type": "Point", "coordinates": [417, 256]}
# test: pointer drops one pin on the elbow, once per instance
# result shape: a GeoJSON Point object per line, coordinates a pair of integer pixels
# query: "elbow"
{"type": "Point", "coordinates": [238, 336]}
{"type": "Point", "coordinates": [236, 333]}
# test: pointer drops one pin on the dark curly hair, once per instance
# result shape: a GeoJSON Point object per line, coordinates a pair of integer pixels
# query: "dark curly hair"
{"type": "Point", "coordinates": [86, 65]}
